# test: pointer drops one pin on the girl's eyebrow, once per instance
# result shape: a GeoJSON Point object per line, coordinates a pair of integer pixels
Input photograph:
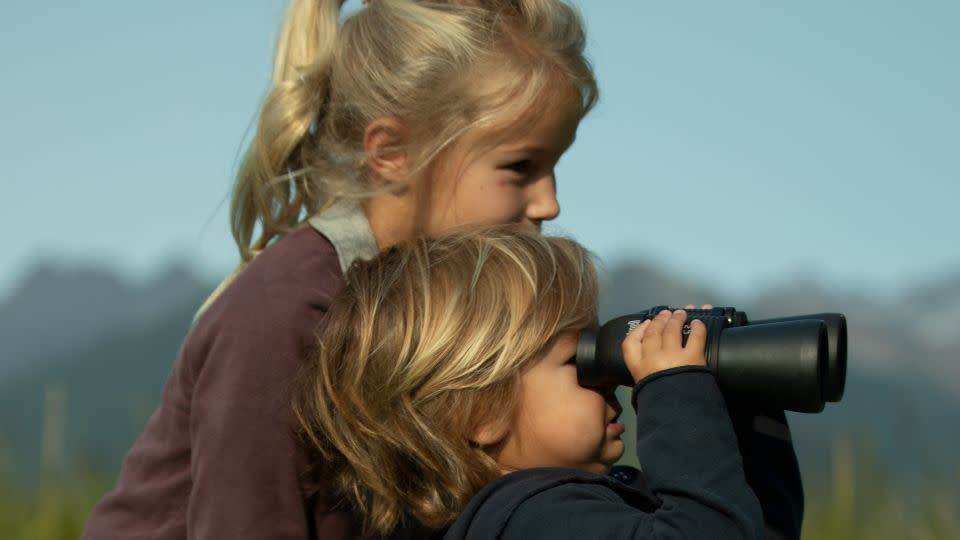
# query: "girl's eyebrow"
{"type": "Point", "coordinates": [527, 148]}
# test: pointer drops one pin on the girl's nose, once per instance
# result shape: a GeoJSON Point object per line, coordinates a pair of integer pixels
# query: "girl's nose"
{"type": "Point", "coordinates": [543, 204]}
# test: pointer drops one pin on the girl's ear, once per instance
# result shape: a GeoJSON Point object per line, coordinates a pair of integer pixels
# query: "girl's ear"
{"type": "Point", "coordinates": [385, 146]}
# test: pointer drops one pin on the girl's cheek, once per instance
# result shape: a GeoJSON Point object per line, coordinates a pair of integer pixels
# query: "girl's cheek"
{"type": "Point", "coordinates": [509, 211]}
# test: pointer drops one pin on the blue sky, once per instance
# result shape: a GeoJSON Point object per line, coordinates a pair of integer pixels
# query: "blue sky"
{"type": "Point", "coordinates": [738, 143]}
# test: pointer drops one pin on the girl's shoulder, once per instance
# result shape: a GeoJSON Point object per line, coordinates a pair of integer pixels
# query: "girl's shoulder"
{"type": "Point", "coordinates": [293, 279]}
{"type": "Point", "coordinates": [303, 260]}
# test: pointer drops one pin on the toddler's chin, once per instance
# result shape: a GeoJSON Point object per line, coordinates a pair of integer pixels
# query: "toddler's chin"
{"type": "Point", "coordinates": [615, 452]}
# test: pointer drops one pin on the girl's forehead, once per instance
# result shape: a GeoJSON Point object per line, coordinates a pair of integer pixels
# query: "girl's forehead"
{"type": "Point", "coordinates": [505, 97]}
{"type": "Point", "coordinates": [547, 126]}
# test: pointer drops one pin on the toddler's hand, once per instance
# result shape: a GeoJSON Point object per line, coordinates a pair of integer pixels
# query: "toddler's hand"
{"type": "Point", "coordinates": [656, 344]}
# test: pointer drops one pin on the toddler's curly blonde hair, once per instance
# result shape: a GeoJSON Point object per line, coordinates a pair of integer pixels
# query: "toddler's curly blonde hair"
{"type": "Point", "coordinates": [423, 344]}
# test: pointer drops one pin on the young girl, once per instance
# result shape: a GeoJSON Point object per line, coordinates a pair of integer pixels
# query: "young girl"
{"type": "Point", "coordinates": [409, 117]}
{"type": "Point", "coordinates": [445, 393]}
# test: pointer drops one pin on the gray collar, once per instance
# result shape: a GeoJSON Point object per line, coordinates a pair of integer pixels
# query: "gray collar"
{"type": "Point", "coordinates": [347, 228]}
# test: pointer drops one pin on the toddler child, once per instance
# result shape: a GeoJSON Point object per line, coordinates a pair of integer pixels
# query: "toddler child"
{"type": "Point", "coordinates": [445, 393]}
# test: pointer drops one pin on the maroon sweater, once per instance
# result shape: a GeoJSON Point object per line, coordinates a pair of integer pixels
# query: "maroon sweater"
{"type": "Point", "coordinates": [218, 458]}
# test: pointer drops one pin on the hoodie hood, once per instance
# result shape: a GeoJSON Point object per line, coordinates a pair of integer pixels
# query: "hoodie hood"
{"type": "Point", "coordinates": [487, 514]}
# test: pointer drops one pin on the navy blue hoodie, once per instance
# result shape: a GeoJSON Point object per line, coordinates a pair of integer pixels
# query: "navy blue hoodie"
{"type": "Point", "coordinates": [694, 484]}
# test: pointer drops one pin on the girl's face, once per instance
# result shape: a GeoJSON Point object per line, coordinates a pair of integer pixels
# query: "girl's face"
{"type": "Point", "coordinates": [559, 423]}
{"type": "Point", "coordinates": [510, 182]}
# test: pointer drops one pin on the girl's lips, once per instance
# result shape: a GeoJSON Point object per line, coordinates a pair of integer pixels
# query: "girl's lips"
{"type": "Point", "coordinates": [616, 428]}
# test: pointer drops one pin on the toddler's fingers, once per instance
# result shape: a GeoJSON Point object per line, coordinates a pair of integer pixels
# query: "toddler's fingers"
{"type": "Point", "coordinates": [636, 335]}
{"type": "Point", "coordinates": [697, 339]}
{"type": "Point", "coordinates": [652, 335]}
{"type": "Point", "coordinates": [641, 329]}
{"type": "Point", "coordinates": [674, 327]}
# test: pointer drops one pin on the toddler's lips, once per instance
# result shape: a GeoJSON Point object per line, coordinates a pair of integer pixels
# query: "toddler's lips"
{"type": "Point", "coordinates": [615, 428]}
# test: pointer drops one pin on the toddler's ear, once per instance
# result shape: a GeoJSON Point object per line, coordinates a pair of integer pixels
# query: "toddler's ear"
{"type": "Point", "coordinates": [489, 434]}
{"type": "Point", "coordinates": [385, 146]}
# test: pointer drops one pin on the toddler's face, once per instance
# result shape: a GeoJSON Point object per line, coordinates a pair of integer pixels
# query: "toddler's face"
{"type": "Point", "coordinates": [512, 182]}
{"type": "Point", "coordinates": [560, 423]}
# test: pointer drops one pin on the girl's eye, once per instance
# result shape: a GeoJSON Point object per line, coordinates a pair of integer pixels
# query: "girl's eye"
{"type": "Point", "coordinates": [523, 166]}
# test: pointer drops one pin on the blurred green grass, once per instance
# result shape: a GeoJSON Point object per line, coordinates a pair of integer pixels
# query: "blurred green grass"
{"type": "Point", "coordinates": [55, 509]}
{"type": "Point", "coordinates": [855, 499]}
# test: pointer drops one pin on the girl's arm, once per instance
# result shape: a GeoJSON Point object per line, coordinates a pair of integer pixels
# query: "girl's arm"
{"type": "Point", "coordinates": [219, 459]}
{"type": "Point", "coordinates": [245, 462]}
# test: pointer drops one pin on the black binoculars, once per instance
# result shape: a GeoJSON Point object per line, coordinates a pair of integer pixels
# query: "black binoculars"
{"type": "Point", "coordinates": [792, 363]}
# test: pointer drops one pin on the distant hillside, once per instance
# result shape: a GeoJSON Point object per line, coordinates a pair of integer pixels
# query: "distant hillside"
{"type": "Point", "coordinates": [97, 351]}
{"type": "Point", "coordinates": [108, 390]}
{"type": "Point", "coordinates": [60, 309]}
{"type": "Point", "coordinates": [99, 346]}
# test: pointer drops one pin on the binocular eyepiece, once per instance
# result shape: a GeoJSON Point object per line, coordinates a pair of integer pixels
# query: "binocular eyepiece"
{"type": "Point", "coordinates": [793, 363]}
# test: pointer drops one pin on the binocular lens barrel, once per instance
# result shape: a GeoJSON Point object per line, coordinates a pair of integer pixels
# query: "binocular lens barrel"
{"type": "Point", "coordinates": [792, 363]}
{"type": "Point", "coordinates": [779, 365]}
{"type": "Point", "coordinates": [836, 369]}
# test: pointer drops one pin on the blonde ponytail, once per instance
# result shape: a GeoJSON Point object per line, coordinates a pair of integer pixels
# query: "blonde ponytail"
{"type": "Point", "coordinates": [269, 190]}
{"type": "Point", "coordinates": [301, 80]}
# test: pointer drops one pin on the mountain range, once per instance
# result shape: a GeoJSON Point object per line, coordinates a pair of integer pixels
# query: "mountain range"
{"type": "Point", "coordinates": [84, 355]}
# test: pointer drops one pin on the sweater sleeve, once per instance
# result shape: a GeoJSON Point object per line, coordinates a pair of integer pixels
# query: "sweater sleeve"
{"type": "Point", "coordinates": [771, 466]}
{"type": "Point", "coordinates": [245, 462]}
{"type": "Point", "coordinates": [688, 449]}
{"type": "Point", "coordinates": [218, 458]}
